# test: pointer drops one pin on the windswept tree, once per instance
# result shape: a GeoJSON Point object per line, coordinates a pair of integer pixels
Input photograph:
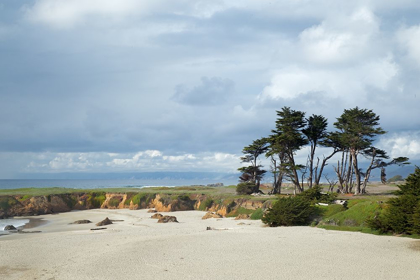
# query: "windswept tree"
{"type": "Point", "coordinates": [277, 158]}
{"type": "Point", "coordinates": [330, 140]}
{"type": "Point", "coordinates": [315, 131]}
{"type": "Point", "coordinates": [378, 157]}
{"type": "Point", "coordinates": [254, 172]}
{"type": "Point", "coordinates": [357, 131]}
{"type": "Point", "coordinates": [287, 139]}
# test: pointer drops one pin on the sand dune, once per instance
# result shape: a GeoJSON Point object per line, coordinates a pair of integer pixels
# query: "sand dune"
{"type": "Point", "coordinates": [140, 248]}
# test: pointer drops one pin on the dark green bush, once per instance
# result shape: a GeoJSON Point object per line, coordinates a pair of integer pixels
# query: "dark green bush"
{"type": "Point", "coordinates": [245, 188]}
{"type": "Point", "coordinates": [314, 195]}
{"type": "Point", "coordinates": [257, 215]}
{"type": "Point", "coordinates": [7, 202]}
{"type": "Point", "coordinates": [291, 211]}
{"type": "Point", "coordinates": [403, 213]}
{"type": "Point", "coordinates": [96, 199]}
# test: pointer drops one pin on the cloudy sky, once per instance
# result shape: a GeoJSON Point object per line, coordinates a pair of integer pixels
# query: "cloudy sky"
{"type": "Point", "coordinates": [128, 85]}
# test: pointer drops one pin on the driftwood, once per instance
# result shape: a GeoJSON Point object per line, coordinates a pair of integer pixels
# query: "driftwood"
{"type": "Point", "coordinates": [212, 228]}
{"type": "Point", "coordinates": [101, 228]}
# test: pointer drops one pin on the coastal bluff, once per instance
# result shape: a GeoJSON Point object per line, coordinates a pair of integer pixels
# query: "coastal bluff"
{"type": "Point", "coordinates": [25, 205]}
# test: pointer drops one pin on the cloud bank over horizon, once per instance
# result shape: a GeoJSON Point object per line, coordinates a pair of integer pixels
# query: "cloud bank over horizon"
{"type": "Point", "coordinates": [101, 86]}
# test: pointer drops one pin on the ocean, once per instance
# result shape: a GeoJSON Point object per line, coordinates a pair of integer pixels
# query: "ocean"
{"type": "Point", "coordinates": [17, 223]}
{"type": "Point", "coordinates": [109, 183]}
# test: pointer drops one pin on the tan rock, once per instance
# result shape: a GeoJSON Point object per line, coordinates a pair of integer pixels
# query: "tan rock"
{"type": "Point", "coordinates": [209, 215]}
{"type": "Point", "coordinates": [156, 216]}
{"type": "Point", "coordinates": [168, 219]}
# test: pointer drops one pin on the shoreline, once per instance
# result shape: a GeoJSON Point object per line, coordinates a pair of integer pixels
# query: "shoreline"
{"type": "Point", "coordinates": [244, 249]}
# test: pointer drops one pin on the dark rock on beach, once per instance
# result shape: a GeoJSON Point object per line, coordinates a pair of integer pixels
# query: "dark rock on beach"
{"type": "Point", "coordinates": [168, 219]}
{"type": "Point", "coordinates": [10, 227]}
{"type": "Point", "coordinates": [104, 222]}
{"type": "Point", "coordinates": [78, 222]}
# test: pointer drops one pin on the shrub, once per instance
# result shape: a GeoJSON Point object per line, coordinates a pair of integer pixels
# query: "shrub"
{"type": "Point", "coordinates": [257, 215]}
{"type": "Point", "coordinates": [291, 211]}
{"type": "Point", "coordinates": [140, 198]}
{"type": "Point", "coordinates": [7, 202]}
{"type": "Point", "coordinates": [96, 199]}
{"type": "Point", "coordinates": [245, 188]}
{"type": "Point", "coordinates": [403, 213]}
{"type": "Point", "coordinates": [314, 195]}
{"type": "Point", "coordinates": [240, 211]}
{"type": "Point", "coordinates": [114, 201]}
{"type": "Point", "coordinates": [204, 205]}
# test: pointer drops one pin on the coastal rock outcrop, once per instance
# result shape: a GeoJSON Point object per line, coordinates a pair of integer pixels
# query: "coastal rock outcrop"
{"type": "Point", "coordinates": [27, 205]}
{"type": "Point", "coordinates": [210, 215]}
{"type": "Point", "coordinates": [104, 222]}
{"type": "Point", "coordinates": [168, 219]}
{"type": "Point", "coordinates": [10, 227]}
{"type": "Point", "coordinates": [114, 201]}
{"type": "Point", "coordinates": [156, 216]}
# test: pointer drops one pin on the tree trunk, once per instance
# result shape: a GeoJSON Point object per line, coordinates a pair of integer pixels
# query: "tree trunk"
{"type": "Point", "coordinates": [311, 164]}
{"type": "Point", "coordinates": [383, 175]}
{"type": "Point", "coordinates": [368, 171]}
{"type": "Point", "coordinates": [324, 163]}
{"type": "Point", "coordinates": [356, 172]}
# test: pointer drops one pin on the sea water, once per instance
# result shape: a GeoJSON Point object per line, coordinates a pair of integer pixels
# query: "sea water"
{"type": "Point", "coordinates": [17, 223]}
{"type": "Point", "coordinates": [97, 184]}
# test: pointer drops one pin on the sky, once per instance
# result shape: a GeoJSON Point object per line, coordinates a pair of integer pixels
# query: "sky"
{"type": "Point", "coordinates": [127, 85]}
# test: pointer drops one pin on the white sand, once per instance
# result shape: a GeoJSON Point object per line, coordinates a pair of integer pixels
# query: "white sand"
{"type": "Point", "coordinates": [140, 248]}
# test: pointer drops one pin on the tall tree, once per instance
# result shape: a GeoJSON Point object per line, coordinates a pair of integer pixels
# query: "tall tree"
{"type": "Point", "coordinates": [330, 140]}
{"type": "Point", "coordinates": [254, 172]}
{"type": "Point", "coordinates": [315, 131]}
{"type": "Point", "coordinates": [357, 130]}
{"type": "Point", "coordinates": [287, 139]}
{"type": "Point", "coordinates": [277, 158]}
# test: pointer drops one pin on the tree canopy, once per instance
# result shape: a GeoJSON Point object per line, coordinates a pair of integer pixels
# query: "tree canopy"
{"type": "Point", "coordinates": [355, 133]}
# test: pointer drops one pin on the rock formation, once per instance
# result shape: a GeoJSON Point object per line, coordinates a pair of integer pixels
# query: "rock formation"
{"type": "Point", "coordinates": [10, 227]}
{"type": "Point", "coordinates": [78, 222]}
{"type": "Point", "coordinates": [156, 216]}
{"type": "Point", "coordinates": [104, 222]}
{"type": "Point", "coordinates": [168, 219]}
{"type": "Point", "coordinates": [209, 215]}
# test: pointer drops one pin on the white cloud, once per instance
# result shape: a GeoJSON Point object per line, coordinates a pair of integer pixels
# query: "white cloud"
{"type": "Point", "coordinates": [404, 144]}
{"type": "Point", "coordinates": [143, 161]}
{"type": "Point", "coordinates": [340, 37]}
{"type": "Point", "coordinates": [68, 13]}
{"type": "Point", "coordinates": [346, 83]}
{"type": "Point", "coordinates": [409, 39]}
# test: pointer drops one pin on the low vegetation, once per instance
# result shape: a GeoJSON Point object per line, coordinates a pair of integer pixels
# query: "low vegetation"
{"type": "Point", "coordinates": [402, 214]}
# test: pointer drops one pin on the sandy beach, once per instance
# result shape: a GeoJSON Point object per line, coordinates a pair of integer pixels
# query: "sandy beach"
{"type": "Point", "coordinates": [140, 248]}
